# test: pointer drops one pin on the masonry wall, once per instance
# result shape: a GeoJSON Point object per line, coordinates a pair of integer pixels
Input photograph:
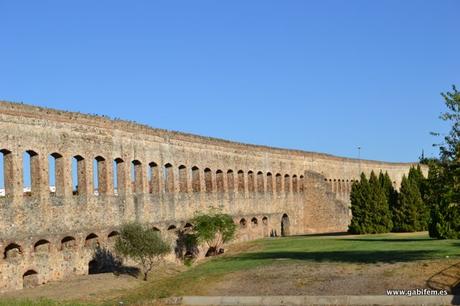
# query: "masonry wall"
{"type": "Point", "coordinates": [126, 171]}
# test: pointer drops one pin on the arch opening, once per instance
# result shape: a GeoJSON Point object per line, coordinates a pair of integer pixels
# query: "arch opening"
{"type": "Point", "coordinates": [285, 225]}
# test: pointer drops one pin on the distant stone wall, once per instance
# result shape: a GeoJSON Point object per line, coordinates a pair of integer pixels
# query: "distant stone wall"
{"type": "Point", "coordinates": [108, 172]}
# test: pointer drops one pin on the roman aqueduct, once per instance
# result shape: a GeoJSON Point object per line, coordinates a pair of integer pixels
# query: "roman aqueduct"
{"type": "Point", "coordinates": [70, 181]}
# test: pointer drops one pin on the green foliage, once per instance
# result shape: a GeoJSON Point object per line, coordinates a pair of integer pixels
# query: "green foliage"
{"type": "Point", "coordinates": [214, 228]}
{"type": "Point", "coordinates": [369, 207]}
{"type": "Point", "coordinates": [391, 194]}
{"type": "Point", "coordinates": [449, 149]}
{"type": "Point", "coordinates": [443, 198]}
{"type": "Point", "coordinates": [143, 245]}
{"type": "Point", "coordinates": [410, 213]}
{"type": "Point", "coordinates": [380, 216]}
{"type": "Point", "coordinates": [442, 192]}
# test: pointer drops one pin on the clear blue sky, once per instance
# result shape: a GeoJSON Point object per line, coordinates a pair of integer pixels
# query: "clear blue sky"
{"type": "Point", "coordinates": [323, 76]}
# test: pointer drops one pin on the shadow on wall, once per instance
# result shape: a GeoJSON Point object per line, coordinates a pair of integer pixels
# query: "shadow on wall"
{"type": "Point", "coordinates": [340, 256]}
{"type": "Point", "coordinates": [105, 261]}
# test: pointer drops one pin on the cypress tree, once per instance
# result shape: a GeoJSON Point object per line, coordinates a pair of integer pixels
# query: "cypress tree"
{"type": "Point", "coordinates": [379, 208]}
{"type": "Point", "coordinates": [359, 197]}
{"type": "Point", "coordinates": [410, 212]}
{"type": "Point", "coordinates": [417, 178]}
{"type": "Point", "coordinates": [390, 192]}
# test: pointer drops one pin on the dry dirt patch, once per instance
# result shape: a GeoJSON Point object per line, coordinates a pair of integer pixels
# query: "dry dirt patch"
{"type": "Point", "coordinates": [328, 278]}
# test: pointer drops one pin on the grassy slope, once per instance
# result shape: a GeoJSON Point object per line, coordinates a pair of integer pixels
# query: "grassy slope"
{"type": "Point", "coordinates": [364, 249]}
{"type": "Point", "coordinates": [345, 249]}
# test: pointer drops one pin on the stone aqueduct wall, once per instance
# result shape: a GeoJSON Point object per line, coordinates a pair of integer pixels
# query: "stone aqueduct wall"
{"type": "Point", "coordinates": [162, 179]}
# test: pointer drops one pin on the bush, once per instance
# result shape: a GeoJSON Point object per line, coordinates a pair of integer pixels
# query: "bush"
{"type": "Point", "coordinates": [143, 245]}
{"type": "Point", "coordinates": [214, 229]}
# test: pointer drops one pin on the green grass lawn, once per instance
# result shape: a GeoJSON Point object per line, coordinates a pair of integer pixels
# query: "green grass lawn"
{"type": "Point", "coordinates": [365, 249]}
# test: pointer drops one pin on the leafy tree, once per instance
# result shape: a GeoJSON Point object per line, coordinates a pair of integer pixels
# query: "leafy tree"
{"type": "Point", "coordinates": [359, 197]}
{"type": "Point", "coordinates": [214, 228]}
{"type": "Point", "coordinates": [380, 211]}
{"type": "Point", "coordinates": [442, 193]}
{"type": "Point", "coordinates": [449, 149]}
{"type": "Point", "coordinates": [143, 245]}
{"type": "Point", "coordinates": [443, 198]}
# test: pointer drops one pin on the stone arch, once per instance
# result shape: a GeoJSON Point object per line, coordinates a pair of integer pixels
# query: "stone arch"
{"type": "Point", "coordinates": [251, 184]}
{"type": "Point", "coordinates": [137, 176]}
{"type": "Point", "coordinates": [172, 227]}
{"type": "Point", "coordinates": [99, 175]}
{"type": "Point", "coordinates": [183, 179]}
{"type": "Point", "coordinates": [30, 279]}
{"type": "Point", "coordinates": [254, 222]}
{"type": "Point", "coordinates": [287, 183]}
{"type": "Point", "coordinates": [168, 178]}
{"type": "Point", "coordinates": [42, 246]}
{"type": "Point", "coordinates": [196, 181]}
{"type": "Point", "coordinates": [241, 181]}
{"type": "Point", "coordinates": [79, 175]}
{"type": "Point", "coordinates": [294, 183]}
{"type": "Point", "coordinates": [188, 225]}
{"type": "Point", "coordinates": [68, 242]}
{"type": "Point", "coordinates": [12, 250]}
{"type": "Point", "coordinates": [92, 240]}
{"type": "Point", "coordinates": [56, 177]}
{"type": "Point", "coordinates": [32, 178]}
{"type": "Point", "coordinates": [112, 236]}
{"type": "Point", "coordinates": [119, 176]}
{"type": "Point", "coordinates": [208, 180]}
{"type": "Point", "coordinates": [301, 183]}
{"type": "Point", "coordinates": [260, 182]}
{"type": "Point", "coordinates": [269, 182]}
{"type": "Point", "coordinates": [7, 171]}
{"type": "Point", "coordinates": [265, 220]}
{"type": "Point", "coordinates": [285, 225]}
{"type": "Point", "coordinates": [230, 180]}
{"type": "Point", "coordinates": [243, 223]}
{"type": "Point", "coordinates": [155, 229]}
{"type": "Point", "coordinates": [278, 183]}
{"type": "Point", "coordinates": [154, 182]}
{"type": "Point", "coordinates": [220, 181]}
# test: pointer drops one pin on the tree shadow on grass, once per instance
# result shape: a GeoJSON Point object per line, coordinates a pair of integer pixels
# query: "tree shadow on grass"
{"type": "Point", "coordinates": [104, 261]}
{"type": "Point", "coordinates": [341, 256]}
{"type": "Point", "coordinates": [387, 239]}
{"type": "Point", "coordinates": [323, 234]}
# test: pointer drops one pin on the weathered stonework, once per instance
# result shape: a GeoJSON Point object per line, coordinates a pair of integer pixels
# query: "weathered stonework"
{"type": "Point", "coordinates": [162, 179]}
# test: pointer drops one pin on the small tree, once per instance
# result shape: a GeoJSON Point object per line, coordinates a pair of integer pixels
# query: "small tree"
{"type": "Point", "coordinates": [214, 229]}
{"type": "Point", "coordinates": [143, 245]}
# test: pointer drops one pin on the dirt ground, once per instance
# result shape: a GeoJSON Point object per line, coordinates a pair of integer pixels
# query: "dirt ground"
{"type": "Point", "coordinates": [331, 279]}
{"type": "Point", "coordinates": [277, 279]}
{"type": "Point", "coordinates": [94, 287]}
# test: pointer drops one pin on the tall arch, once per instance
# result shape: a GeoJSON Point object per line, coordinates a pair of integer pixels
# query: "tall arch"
{"type": "Point", "coordinates": [269, 182]}
{"type": "Point", "coordinates": [285, 225]}
{"type": "Point", "coordinates": [196, 181]}
{"type": "Point", "coordinates": [260, 182]}
{"type": "Point", "coordinates": [287, 183]}
{"type": "Point", "coordinates": [241, 181]}
{"type": "Point", "coordinates": [230, 181]}
{"type": "Point", "coordinates": [208, 179]}
{"type": "Point", "coordinates": [219, 181]}
{"type": "Point", "coordinates": [183, 179]}
{"type": "Point", "coordinates": [56, 173]}
{"type": "Point", "coordinates": [251, 184]}
{"type": "Point", "coordinates": [168, 178]}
